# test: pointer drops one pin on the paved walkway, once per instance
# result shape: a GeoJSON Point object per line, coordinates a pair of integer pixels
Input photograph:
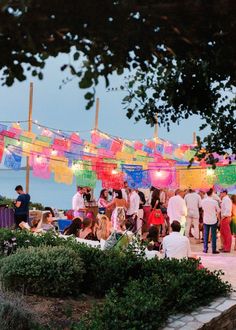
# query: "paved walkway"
{"type": "Point", "coordinates": [224, 261]}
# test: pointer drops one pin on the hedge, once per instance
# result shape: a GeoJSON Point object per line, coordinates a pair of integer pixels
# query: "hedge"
{"type": "Point", "coordinates": [139, 293]}
{"type": "Point", "coordinates": [48, 271]}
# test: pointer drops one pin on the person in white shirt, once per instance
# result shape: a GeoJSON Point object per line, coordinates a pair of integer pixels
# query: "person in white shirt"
{"type": "Point", "coordinates": [211, 212]}
{"type": "Point", "coordinates": [176, 245]}
{"type": "Point", "coordinates": [226, 212]}
{"type": "Point", "coordinates": [78, 205]}
{"type": "Point", "coordinates": [125, 191]}
{"type": "Point", "coordinates": [193, 202]}
{"type": "Point", "coordinates": [133, 209]}
{"type": "Point", "coordinates": [215, 196]}
{"type": "Point", "coordinates": [177, 209]}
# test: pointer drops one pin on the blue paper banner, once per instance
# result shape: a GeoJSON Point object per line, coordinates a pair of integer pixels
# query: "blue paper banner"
{"type": "Point", "coordinates": [12, 161]}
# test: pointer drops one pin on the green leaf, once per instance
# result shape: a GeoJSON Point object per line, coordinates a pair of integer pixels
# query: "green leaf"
{"type": "Point", "coordinates": [76, 56]}
{"type": "Point", "coordinates": [89, 96]}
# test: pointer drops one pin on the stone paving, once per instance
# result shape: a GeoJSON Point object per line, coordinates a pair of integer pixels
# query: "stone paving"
{"type": "Point", "coordinates": [224, 261]}
{"type": "Point", "coordinates": [221, 313]}
{"type": "Point", "coordinates": [213, 316]}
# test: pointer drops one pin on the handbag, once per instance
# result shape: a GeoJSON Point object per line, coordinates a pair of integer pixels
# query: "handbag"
{"type": "Point", "coordinates": [156, 217]}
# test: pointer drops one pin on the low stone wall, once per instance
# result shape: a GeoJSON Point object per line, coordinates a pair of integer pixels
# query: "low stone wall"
{"type": "Point", "coordinates": [219, 315]}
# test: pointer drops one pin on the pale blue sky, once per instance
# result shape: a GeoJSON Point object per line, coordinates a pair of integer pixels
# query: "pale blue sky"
{"type": "Point", "coordinates": [65, 108]}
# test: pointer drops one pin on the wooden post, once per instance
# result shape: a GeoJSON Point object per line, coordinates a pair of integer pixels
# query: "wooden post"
{"type": "Point", "coordinates": [96, 115]}
{"type": "Point", "coordinates": [194, 138]}
{"type": "Point", "coordinates": [29, 130]}
{"type": "Point", "coordinates": [156, 128]}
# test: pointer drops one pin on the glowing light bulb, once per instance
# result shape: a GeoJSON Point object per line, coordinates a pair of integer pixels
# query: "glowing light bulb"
{"type": "Point", "coordinates": [210, 172]}
{"type": "Point", "coordinates": [158, 174]}
{"type": "Point", "coordinates": [38, 159]}
{"type": "Point", "coordinates": [53, 152]}
{"type": "Point", "coordinates": [114, 171]}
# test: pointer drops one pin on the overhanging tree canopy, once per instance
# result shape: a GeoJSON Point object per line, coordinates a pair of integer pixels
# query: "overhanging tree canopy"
{"type": "Point", "coordinates": [192, 42]}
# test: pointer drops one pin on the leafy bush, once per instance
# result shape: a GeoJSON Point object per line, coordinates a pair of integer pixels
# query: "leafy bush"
{"type": "Point", "coordinates": [183, 284]}
{"type": "Point", "coordinates": [141, 294]}
{"type": "Point", "coordinates": [146, 303]}
{"type": "Point", "coordinates": [136, 308]}
{"type": "Point", "coordinates": [54, 271]}
{"type": "Point", "coordinates": [10, 202]}
{"type": "Point", "coordinates": [25, 239]}
{"type": "Point", "coordinates": [107, 269]}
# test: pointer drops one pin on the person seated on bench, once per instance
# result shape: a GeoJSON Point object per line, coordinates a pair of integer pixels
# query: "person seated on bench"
{"type": "Point", "coordinates": [45, 224]}
{"type": "Point", "coordinates": [87, 230]}
{"type": "Point", "coordinates": [175, 245]}
{"type": "Point", "coordinates": [74, 228]}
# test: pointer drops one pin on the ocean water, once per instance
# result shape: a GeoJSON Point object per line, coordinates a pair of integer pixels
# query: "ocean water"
{"type": "Point", "coordinates": [47, 192]}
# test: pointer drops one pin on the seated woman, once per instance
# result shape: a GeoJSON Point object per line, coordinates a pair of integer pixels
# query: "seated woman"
{"type": "Point", "coordinates": [74, 228]}
{"type": "Point", "coordinates": [49, 209]}
{"type": "Point", "coordinates": [104, 228]}
{"type": "Point", "coordinates": [153, 239]}
{"type": "Point", "coordinates": [120, 237]}
{"type": "Point", "coordinates": [45, 224]}
{"type": "Point", "coordinates": [87, 230]}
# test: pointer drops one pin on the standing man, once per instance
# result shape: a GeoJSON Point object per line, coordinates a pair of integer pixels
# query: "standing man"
{"type": "Point", "coordinates": [125, 191]}
{"type": "Point", "coordinates": [21, 206]}
{"type": "Point", "coordinates": [211, 212]}
{"type": "Point", "coordinates": [177, 209]}
{"type": "Point", "coordinates": [142, 201]}
{"type": "Point", "coordinates": [78, 205]}
{"type": "Point", "coordinates": [226, 212]}
{"type": "Point", "coordinates": [193, 202]}
{"type": "Point", "coordinates": [133, 209]}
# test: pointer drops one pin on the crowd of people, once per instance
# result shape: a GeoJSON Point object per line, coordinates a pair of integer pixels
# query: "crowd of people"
{"type": "Point", "coordinates": [181, 214]}
{"type": "Point", "coordinates": [174, 217]}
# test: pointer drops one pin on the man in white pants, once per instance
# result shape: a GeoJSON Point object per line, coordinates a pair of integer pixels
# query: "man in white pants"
{"type": "Point", "coordinates": [142, 202]}
{"type": "Point", "coordinates": [133, 208]}
{"type": "Point", "coordinates": [193, 202]}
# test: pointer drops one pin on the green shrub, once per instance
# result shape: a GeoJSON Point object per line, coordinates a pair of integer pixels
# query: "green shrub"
{"type": "Point", "coordinates": [53, 271]}
{"type": "Point", "coordinates": [107, 269]}
{"type": "Point", "coordinates": [10, 202]}
{"type": "Point", "coordinates": [183, 284]}
{"type": "Point", "coordinates": [147, 303]}
{"type": "Point", "coordinates": [134, 309]}
{"type": "Point", "coordinates": [25, 239]}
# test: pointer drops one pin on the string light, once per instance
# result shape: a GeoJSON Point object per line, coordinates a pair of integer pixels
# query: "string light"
{"type": "Point", "coordinates": [38, 159]}
{"type": "Point", "coordinates": [158, 173]}
{"type": "Point", "coordinates": [210, 172]}
{"type": "Point", "coordinates": [54, 152]}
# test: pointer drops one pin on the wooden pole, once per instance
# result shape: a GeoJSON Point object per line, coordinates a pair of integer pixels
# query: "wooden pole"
{"type": "Point", "coordinates": [96, 115]}
{"type": "Point", "coordinates": [194, 138]}
{"type": "Point", "coordinates": [156, 128]}
{"type": "Point", "coordinates": [29, 130]}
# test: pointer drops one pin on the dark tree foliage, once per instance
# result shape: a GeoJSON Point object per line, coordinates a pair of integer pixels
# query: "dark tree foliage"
{"type": "Point", "coordinates": [183, 53]}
